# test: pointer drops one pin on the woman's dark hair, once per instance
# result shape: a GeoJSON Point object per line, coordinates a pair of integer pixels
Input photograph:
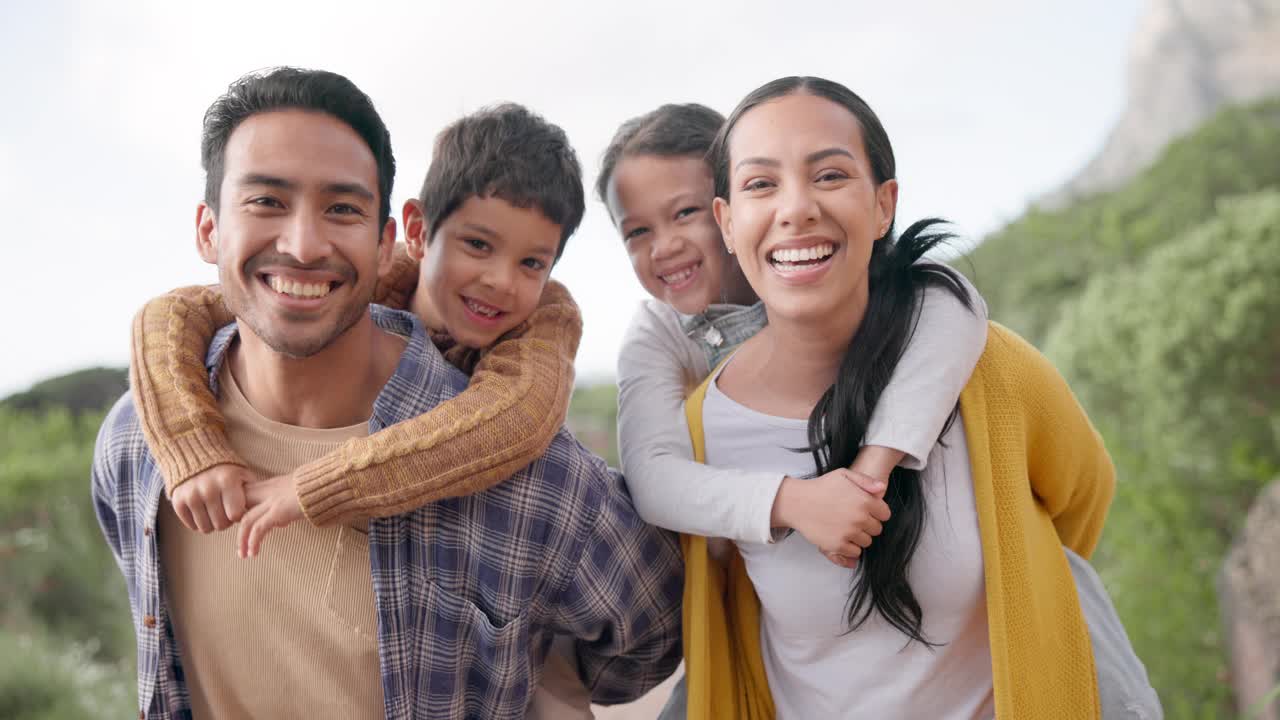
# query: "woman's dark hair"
{"type": "Point", "coordinates": [285, 88]}
{"type": "Point", "coordinates": [670, 131]}
{"type": "Point", "coordinates": [838, 424]}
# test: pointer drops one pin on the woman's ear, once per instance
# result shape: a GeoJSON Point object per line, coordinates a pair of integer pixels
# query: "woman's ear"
{"type": "Point", "coordinates": [720, 208]}
{"type": "Point", "coordinates": [415, 228]}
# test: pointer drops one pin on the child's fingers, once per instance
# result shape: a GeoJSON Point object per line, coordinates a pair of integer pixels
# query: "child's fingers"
{"type": "Point", "coordinates": [247, 522]}
{"type": "Point", "coordinates": [183, 512]}
{"type": "Point", "coordinates": [200, 517]}
{"type": "Point", "coordinates": [217, 514]}
{"type": "Point", "coordinates": [233, 502]}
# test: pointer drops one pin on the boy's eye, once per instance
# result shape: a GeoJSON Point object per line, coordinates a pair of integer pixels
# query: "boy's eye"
{"type": "Point", "coordinates": [686, 212]}
{"type": "Point", "coordinates": [534, 263]}
{"type": "Point", "coordinates": [476, 243]}
{"type": "Point", "coordinates": [634, 233]}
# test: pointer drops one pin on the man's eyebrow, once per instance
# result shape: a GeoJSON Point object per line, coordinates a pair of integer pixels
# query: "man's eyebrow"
{"type": "Point", "coordinates": [349, 188]}
{"type": "Point", "coordinates": [268, 180]}
{"type": "Point", "coordinates": [824, 154]}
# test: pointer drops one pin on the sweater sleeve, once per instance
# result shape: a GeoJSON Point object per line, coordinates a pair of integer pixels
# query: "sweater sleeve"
{"type": "Point", "coordinates": [179, 415]}
{"type": "Point", "coordinates": [934, 368]}
{"type": "Point", "coordinates": [506, 418]}
{"type": "Point", "coordinates": [178, 412]}
{"type": "Point", "coordinates": [656, 368]}
{"type": "Point", "coordinates": [1070, 470]}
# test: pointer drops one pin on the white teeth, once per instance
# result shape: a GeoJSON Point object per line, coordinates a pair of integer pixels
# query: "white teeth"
{"type": "Point", "coordinates": [482, 309]}
{"type": "Point", "coordinates": [297, 289]}
{"type": "Point", "coordinates": [795, 255]}
{"type": "Point", "coordinates": [676, 278]}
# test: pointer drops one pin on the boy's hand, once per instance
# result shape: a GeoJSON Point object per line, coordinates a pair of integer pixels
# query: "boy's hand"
{"type": "Point", "coordinates": [839, 512]}
{"type": "Point", "coordinates": [213, 499]}
{"type": "Point", "coordinates": [273, 503]}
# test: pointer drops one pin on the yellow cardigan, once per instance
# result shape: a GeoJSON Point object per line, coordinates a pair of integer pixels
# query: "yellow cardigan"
{"type": "Point", "coordinates": [1042, 479]}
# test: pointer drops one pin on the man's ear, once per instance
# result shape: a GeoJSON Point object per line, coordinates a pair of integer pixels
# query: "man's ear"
{"type": "Point", "coordinates": [415, 228]}
{"type": "Point", "coordinates": [887, 203]}
{"type": "Point", "coordinates": [720, 208]}
{"type": "Point", "coordinates": [207, 233]}
{"type": "Point", "coordinates": [387, 247]}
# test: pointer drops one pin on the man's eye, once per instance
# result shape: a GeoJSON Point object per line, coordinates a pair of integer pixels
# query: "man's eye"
{"type": "Point", "coordinates": [345, 209]}
{"type": "Point", "coordinates": [266, 201]}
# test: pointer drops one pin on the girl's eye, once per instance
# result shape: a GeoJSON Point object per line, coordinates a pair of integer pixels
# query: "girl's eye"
{"type": "Point", "coordinates": [686, 212]}
{"type": "Point", "coordinates": [634, 233]}
{"type": "Point", "coordinates": [534, 263]}
{"type": "Point", "coordinates": [476, 243]}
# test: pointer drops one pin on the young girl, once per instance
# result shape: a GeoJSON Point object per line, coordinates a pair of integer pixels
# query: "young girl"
{"type": "Point", "coordinates": [964, 606]}
{"type": "Point", "coordinates": [658, 187]}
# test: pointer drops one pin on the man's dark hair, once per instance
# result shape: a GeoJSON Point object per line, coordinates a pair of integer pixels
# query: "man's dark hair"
{"type": "Point", "coordinates": [287, 88]}
{"type": "Point", "coordinates": [508, 152]}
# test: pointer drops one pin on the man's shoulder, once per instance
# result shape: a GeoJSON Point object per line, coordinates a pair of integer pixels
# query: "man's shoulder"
{"type": "Point", "coordinates": [121, 448]}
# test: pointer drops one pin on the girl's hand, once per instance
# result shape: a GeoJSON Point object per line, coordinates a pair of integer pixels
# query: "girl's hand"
{"type": "Point", "coordinates": [272, 504]}
{"type": "Point", "coordinates": [840, 512]}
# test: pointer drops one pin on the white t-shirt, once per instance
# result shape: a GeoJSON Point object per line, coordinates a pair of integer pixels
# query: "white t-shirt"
{"type": "Point", "coordinates": [659, 365]}
{"type": "Point", "coordinates": [816, 668]}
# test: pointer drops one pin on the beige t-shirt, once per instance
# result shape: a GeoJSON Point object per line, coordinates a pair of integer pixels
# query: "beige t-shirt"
{"type": "Point", "coordinates": [292, 632]}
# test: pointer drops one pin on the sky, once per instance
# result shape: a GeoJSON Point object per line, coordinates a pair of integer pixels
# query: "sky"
{"type": "Point", "coordinates": [989, 104]}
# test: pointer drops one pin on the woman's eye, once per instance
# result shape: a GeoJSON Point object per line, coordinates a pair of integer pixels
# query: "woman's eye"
{"type": "Point", "coordinates": [832, 176]}
{"type": "Point", "coordinates": [757, 184]}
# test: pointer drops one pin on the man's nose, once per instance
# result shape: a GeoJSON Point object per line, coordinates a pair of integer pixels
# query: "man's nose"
{"type": "Point", "coordinates": [306, 239]}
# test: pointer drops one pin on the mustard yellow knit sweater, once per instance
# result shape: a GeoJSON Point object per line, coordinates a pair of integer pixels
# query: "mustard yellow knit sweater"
{"type": "Point", "coordinates": [513, 407]}
{"type": "Point", "coordinates": [1042, 480]}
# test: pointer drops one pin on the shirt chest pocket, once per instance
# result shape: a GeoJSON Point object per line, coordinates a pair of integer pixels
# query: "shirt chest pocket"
{"type": "Point", "coordinates": [349, 587]}
{"type": "Point", "coordinates": [481, 654]}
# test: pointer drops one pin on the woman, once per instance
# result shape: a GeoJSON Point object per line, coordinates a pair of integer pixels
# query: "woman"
{"type": "Point", "coordinates": [964, 606]}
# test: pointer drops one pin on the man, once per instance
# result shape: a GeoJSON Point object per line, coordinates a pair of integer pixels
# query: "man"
{"type": "Point", "coordinates": [447, 611]}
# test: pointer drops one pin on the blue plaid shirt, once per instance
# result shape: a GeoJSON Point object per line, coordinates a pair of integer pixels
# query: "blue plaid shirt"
{"type": "Point", "coordinates": [469, 591]}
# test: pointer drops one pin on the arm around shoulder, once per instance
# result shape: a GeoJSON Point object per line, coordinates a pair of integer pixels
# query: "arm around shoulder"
{"type": "Point", "coordinates": [507, 417]}
{"type": "Point", "coordinates": [657, 367]}
{"type": "Point", "coordinates": [178, 413]}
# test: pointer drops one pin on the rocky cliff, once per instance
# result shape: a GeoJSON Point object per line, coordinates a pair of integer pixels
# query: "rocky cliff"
{"type": "Point", "coordinates": [1188, 59]}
